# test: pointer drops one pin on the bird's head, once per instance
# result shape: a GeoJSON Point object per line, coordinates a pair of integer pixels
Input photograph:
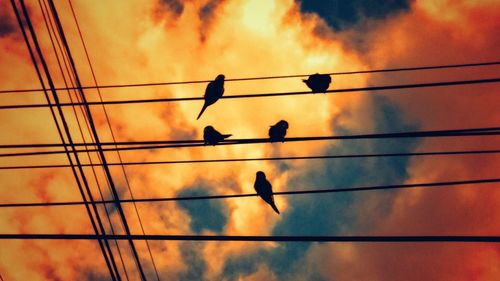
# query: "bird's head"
{"type": "Point", "coordinates": [326, 77]}
{"type": "Point", "coordinates": [220, 77]}
{"type": "Point", "coordinates": [208, 129]}
{"type": "Point", "coordinates": [261, 175]}
{"type": "Point", "coordinates": [283, 124]}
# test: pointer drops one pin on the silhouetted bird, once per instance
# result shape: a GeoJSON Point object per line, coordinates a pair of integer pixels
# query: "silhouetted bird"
{"type": "Point", "coordinates": [318, 83]}
{"type": "Point", "coordinates": [277, 132]}
{"type": "Point", "coordinates": [215, 90]}
{"type": "Point", "coordinates": [265, 190]}
{"type": "Point", "coordinates": [212, 136]}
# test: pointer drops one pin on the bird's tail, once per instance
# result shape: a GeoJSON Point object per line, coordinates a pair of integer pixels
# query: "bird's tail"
{"type": "Point", "coordinates": [202, 110]}
{"type": "Point", "coordinates": [226, 136]}
{"type": "Point", "coordinates": [274, 207]}
{"type": "Point", "coordinates": [304, 80]}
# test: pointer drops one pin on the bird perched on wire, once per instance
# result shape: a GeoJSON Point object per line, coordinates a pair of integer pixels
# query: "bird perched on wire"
{"type": "Point", "coordinates": [212, 137]}
{"type": "Point", "coordinates": [213, 92]}
{"type": "Point", "coordinates": [277, 132]}
{"type": "Point", "coordinates": [265, 190]}
{"type": "Point", "coordinates": [318, 83]}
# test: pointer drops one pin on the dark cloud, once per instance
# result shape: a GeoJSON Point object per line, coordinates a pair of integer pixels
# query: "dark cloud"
{"type": "Point", "coordinates": [207, 11]}
{"type": "Point", "coordinates": [174, 6]}
{"type": "Point", "coordinates": [192, 255]}
{"type": "Point", "coordinates": [333, 214]}
{"type": "Point", "coordinates": [207, 15]}
{"type": "Point", "coordinates": [205, 214]}
{"type": "Point", "coordinates": [340, 14]}
{"type": "Point", "coordinates": [51, 273]}
{"type": "Point", "coordinates": [237, 267]}
{"type": "Point", "coordinates": [96, 276]}
{"type": "Point", "coordinates": [7, 25]}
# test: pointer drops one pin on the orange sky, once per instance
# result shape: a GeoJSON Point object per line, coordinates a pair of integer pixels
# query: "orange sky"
{"type": "Point", "coordinates": [145, 41]}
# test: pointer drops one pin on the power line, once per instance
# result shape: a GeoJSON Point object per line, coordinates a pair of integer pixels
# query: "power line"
{"type": "Point", "coordinates": [345, 90]}
{"type": "Point", "coordinates": [109, 260]}
{"type": "Point", "coordinates": [282, 193]}
{"type": "Point", "coordinates": [96, 137]}
{"type": "Point", "coordinates": [317, 157]}
{"type": "Point", "coordinates": [267, 77]}
{"type": "Point", "coordinates": [274, 238]}
{"type": "Point", "coordinates": [50, 29]}
{"type": "Point", "coordinates": [444, 132]}
{"type": "Point", "coordinates": [197, 143]}
{"type": "Point", "coordinates": [112, 136]}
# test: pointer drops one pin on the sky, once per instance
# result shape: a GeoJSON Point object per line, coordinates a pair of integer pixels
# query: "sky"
{"type": "Point", "coordinates": [174, 40]}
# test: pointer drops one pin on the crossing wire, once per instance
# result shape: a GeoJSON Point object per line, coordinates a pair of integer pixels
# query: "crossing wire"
{"type": "Point", "coordinates": [51, 30]}
{"type": "Point", "coordinates": [437, 133]}
{"type": "Point", "coordinates": [96, 136]}
{"type": "Point", "coordinates": [416, 68]}
{"type": "Point", "coordinates": [282, 193]}
{"type": "Point", "coordinates": [273, 238]}
{"type": "Point", "coordinates": [473, 132]}
{"type": "Point", "coordinates": [111, 265]}
{"type": "Point", "coordinates": [314, 157]}
{"type": "Point", "coordinates": [108, 122]}
{"type": "Point", "coordinates": [260, 95]}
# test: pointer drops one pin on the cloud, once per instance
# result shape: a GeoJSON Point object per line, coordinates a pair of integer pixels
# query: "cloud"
{"type": "Point", "coordinates": [174, 6]}
{"type": "Point", "coordinates": [136, 43]}
{"type": "Point", "coordinates": [207, 10]}
{"type": "Point", "coordinates": [193, 258]}
{"type": "Point", "coordinates": [432, 34]}
{"type": "Point", "coordinates": [332, 214]}
{"type": "Point", "coordinates": [6, 24]}
{"type": "Point", "coordinates": [205, 214]}
{"type": "Point", "coordinates": [345, 14]}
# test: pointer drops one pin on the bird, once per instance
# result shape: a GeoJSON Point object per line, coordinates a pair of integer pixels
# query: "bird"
{"type": "Point", "coordinates": [212, 136]}
{"type": "Point", "coordinates": [277, 132]}
{"type": "Point", "coordinates": [318, 83]}
{"type": "Point", "coordinates": [265, 190]}
{"type": "Point", "coordinates": [213, 92]}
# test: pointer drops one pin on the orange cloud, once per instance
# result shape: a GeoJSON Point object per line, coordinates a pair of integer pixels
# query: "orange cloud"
{"type": "Point", "coordinates": [142, 42]}
{"type": "Point", "coordinates": [433, 33]}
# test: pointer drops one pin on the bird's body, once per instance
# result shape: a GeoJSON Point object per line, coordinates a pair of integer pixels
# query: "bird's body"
{"type": "Point", "coordinates": [265, 190]}
{"type": "Point", "coordinates": [213, 92]}
{"type": "Point", "coordinates": [318, 83]}
{"type": "Point", "coordinates": [212, 137]}
{"type": "Point", "coordinates": [277, 132]}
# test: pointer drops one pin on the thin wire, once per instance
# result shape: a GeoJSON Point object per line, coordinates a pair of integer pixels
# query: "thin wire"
{"type": "Point", "coordinates": [442, 132]}
{"type": "Point", "coordinates": [127, 182]}
{"type": "Point", "coordinates": [108, 260]}
{"type": "Point", "coordinates": [267, 77]}
{"type": "Point", "coordinates": [274, 238]}
{"type": "Point", "coordinates": [96, 136]}
{"type": "Point", "coordinates": [48, 20]}
{"type": "Point", "coordinates": [421, 134]}
{"type": "Point", "coordinates": [317, 157]}
{"type": "Point", "coordinates": [282, 193]}
{"type": "Point", "coordinates": [345, 90]}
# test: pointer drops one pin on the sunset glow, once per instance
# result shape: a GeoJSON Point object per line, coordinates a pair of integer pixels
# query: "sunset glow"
{"type": "Point", "coordinates": [152, 41]}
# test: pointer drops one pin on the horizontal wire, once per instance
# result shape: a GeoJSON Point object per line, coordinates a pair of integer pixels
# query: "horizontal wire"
{"type": "Point", "coordinates": [263, 77]}
{"type": "Point", "coordinates": [430, 132]}
{"type": "Point", "coordinates": [421, 134]}
{"type": "Point", "coordinates": [283, 193]}
{"type": "Point", "coordinates": [317, 157]}
{"type": "Point", "coordinates": [253, 238]}
{"type": "Point", "coordinates": [345, 90]}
